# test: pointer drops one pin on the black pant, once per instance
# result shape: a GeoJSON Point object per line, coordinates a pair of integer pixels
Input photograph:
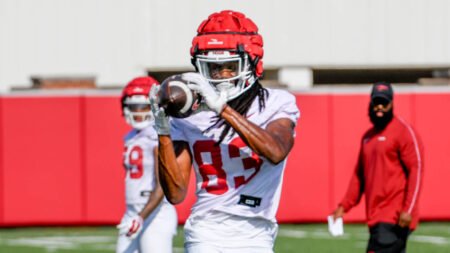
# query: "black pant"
{"type": "Point", "coordinates": [387, 238]}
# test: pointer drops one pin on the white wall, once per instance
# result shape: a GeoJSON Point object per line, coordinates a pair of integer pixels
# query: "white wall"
{"type": "Point", "coordinates": [110, 39]}
{"type": "Point", "coordinates": [118, 39]}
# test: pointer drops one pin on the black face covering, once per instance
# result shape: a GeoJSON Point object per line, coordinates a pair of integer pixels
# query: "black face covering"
{"type": "Point", "coordinates": [380, 122]}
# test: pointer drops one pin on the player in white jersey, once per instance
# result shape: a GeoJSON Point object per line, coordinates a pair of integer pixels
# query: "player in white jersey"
{"type": "Point", "coordinates": [149, 222]}
{"type": "Point", "coordinates": [238, 143]}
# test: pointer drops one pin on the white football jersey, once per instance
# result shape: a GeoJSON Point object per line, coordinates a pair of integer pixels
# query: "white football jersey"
{"type": "Point", "coordinates": [138, 160]}
{"type": "Point", "coordinates": [230, 177]}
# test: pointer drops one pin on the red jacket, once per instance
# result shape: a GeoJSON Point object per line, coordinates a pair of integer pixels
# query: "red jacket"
{"type": "Point", "coordinates": [389, 172]}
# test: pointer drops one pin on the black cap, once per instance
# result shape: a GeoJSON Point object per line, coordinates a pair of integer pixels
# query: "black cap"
{"type": "Point", "coordinates": [383, 90]}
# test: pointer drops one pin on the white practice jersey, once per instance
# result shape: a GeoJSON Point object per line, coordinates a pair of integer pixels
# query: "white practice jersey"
{"type": "Point", "coordinates": [138, 160]}
{"type": "Point", "coordinates": [230, 177]}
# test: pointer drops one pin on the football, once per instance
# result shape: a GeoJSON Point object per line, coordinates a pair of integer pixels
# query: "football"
{"type": "Point", "coordinates": [176, 98]}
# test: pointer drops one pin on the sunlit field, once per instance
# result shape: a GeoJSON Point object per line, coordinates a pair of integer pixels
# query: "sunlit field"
{"type": "Point", "coordinates": [429, 238]}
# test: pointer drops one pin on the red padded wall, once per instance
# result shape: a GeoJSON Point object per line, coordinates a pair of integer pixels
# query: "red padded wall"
{"type": "Point", "coordinates": [104, 129]}
{"type": "Point", "coordinates": [60, 157]}
{"type": "Point", "coordinates": [41, 159]}
{"type": "Point", "coordinates": [433, 124]}
{"type": "Point", "coordinates": [309, 167]}
{"type": "Point", "coordinates": [404, 107]}
{"type": "Point", "coordinates": [349, 122]}
{"type": "Point", "coordinates": [2, 182]}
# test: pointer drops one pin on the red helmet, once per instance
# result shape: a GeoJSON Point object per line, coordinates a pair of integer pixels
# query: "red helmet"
{"type": "Point", "coordinates": [134, 98]}
{"type": "Point", "coordinates": [228, 37]}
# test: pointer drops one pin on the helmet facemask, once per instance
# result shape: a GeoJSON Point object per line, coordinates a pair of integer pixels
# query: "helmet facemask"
{"type": "Point", "coordinates": [137, 111]}
{"type": "Point", "coordinates": [226, 70]}
{"type": "Point", "coordinates": [229, 37]}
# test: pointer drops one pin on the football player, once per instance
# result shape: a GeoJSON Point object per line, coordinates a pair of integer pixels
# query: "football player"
{"type": "Point", "coordinates": [149, 222]}
{"type": "Point", "coordinates": [238, 146]}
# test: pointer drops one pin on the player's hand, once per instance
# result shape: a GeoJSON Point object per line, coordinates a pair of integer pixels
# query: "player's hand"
{"type": "Point", "coordinates": [338, 213]}
{"type": "Point", "coordinates": [198, 83]}
{"type": "Point", "coordinates": [131, 227]}
{"type": "Point", "coordinates": [161, 119]}
{"type": "Point", "coordinates": [404, 220]}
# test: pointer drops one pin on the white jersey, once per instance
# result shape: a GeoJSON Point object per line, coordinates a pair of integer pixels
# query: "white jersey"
{"type": "Point", "coordinates": [230, 177]}
{"type": "Point", "coordinates": [138, 160]}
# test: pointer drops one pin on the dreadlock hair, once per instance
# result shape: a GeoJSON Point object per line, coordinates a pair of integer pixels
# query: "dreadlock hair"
{"type": "Point", "coordinates": [242, 104]}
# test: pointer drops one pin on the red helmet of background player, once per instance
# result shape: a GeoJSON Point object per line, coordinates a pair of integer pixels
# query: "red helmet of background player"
{"type": "Point", "coordinates": [229, 38]}
{"type": "Point", "coordinates": [136, 103]}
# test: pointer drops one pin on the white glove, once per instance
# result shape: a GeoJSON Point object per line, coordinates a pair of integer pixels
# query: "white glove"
{"type": "Point", "coordinates": [161, 119]}
{"type": "Point", "coordinates": [131, 227]}
{"type": "Point", "coordinates": [198, 83]}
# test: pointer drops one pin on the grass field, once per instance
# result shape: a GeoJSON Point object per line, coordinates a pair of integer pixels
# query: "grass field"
{"type": "Point", "coordinates": [429, 238]}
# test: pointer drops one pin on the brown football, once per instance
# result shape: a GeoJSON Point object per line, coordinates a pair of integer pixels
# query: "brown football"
{"type": "Point", "coordinates": [176, 98]}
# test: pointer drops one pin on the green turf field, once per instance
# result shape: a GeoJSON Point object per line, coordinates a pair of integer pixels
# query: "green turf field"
{"type": "Point", "coordinates": [429, 238]}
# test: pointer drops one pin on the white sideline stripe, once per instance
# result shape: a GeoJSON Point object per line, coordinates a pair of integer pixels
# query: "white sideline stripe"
{"type": "Point", "coordinates": [52, 243]}
{"type": "Point", "coordinates": [320, 234]}
{"type": "Point", "coordinates": [317, 234]}
{"type": "Point", "coordinates": [431, 239]}
{"type": "Point", "coordinates": [42, 243]}
{"type": "Point", "coordinates": [419, 164]}
{"type": "Point", "coordinates": [62, 242]}
{"type": "Point", "coordinates": [111, 247]}
{"type": "Point", "coordinates": [292, 233]}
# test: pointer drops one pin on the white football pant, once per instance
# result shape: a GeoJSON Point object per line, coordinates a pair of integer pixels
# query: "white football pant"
{"type": "Point", "coordinates": [218, 232]}
{"type": "Point", "coordinates": [157, 232]}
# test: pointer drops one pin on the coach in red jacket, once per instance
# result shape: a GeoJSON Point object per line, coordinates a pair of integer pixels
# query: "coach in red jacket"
{"type": "Point", "coordinates": [389, 172]}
